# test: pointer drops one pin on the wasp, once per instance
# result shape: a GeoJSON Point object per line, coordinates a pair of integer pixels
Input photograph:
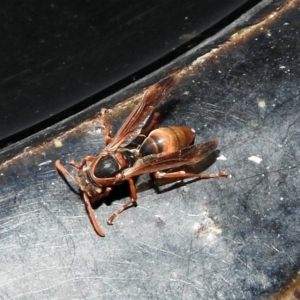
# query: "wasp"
{"type": "Point", "coordinates": [158, 151]}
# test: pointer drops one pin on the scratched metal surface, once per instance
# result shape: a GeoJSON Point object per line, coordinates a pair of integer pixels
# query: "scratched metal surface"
{"type": "Point", "coordinates": [235, 238]}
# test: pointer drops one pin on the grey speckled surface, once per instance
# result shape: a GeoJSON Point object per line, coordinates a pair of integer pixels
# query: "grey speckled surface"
{"type": "Point", "coordinates": [234, 238]}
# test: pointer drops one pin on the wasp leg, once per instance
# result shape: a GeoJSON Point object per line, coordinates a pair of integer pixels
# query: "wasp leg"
{"type": "Point", "coordinates": [98, 197]}
{"type": "Point", "coordinates": [107, 126]}
{"type": "Point", "coordinates": [65, 172]}
{"type": "Point", "coordinates": [83, 162]}
{"type": "Point", "coordinates": [131, 202]}
{"type": "Point", "coordinates": [183, 174]}
{"type": "Point", "coordinates": [92, 216]}
{"type": "Point", "coordinates": [153, 124]}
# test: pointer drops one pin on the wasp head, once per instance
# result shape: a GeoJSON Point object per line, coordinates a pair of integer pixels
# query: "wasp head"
{"type": "Point", "coordinates": [87, 185]}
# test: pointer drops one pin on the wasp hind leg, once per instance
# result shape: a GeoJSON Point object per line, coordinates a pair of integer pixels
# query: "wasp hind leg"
{"type": "Point", "coordinates": [153, 124]}
{"type": "Point", "coordinates": [183, 174]}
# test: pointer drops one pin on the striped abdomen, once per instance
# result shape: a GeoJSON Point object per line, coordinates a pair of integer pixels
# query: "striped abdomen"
{"type": "Point", "coordinates": [167, 139]}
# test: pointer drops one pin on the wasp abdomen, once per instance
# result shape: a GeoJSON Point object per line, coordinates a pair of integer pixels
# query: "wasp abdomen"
{"type": "Point", "coordinates": [167, 139]}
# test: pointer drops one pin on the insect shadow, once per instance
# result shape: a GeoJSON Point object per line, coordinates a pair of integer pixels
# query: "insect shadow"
{"type": "Point", "coordinates": [147, 182]}
{"type": "Point", "coordinates": [197, 168]}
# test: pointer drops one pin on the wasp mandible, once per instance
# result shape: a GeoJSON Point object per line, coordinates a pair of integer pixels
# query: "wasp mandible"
{"type": "Point", "coordinates": [160, 150]}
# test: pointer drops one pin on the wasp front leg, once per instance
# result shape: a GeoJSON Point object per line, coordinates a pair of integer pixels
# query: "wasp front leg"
{"type": "Point", "coordinates": [131, 202]}
{"type": "Point", "coordinates": [83, 162]}
{"type": "Point", "coordinates": [65, 172]}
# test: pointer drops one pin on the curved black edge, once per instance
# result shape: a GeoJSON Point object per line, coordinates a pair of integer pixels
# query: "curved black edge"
{"type": "Point", "coordinates": [80, 113]}
{"type": "Point", "coordinates": [45, 101]}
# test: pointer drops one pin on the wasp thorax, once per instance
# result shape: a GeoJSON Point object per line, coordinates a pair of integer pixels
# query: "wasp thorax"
{"type": "Point", "coordinates": [106, 167]}
{"type": "Point", "coordinates": [110, 165]}
{"type": "Point", "coordinates": [129, 157]}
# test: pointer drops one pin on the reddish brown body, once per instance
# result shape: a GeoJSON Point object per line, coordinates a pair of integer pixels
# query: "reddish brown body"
{"type": "Point", "coordinates": [162, 149]}
{"type": "Point", "coordinates": [167, 139]}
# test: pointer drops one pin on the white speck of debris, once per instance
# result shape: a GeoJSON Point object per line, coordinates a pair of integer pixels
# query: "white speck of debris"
{"type": "Point", "coordinates": [261, 104]}
{"type": "Point", "coordinates": [1, 174]}
{"type": "Point", "coordinates": [185, 189]}
{"type": "Point", "coordinates": [57, 143]}
{"type": "Point", "coordinates": [47, 162]}
{"type": "Point", "coordinates": [190, 215]}
{"type": "Point", "coordinates": [221, 157]}
{"type": "Point", "coordinates": [174, 276]}
{"type": "Point", "coordinates": [281, 198]}
{"type": "Point", "coordinates": [255, 159]}
{"type": "Point", "coordinates": [217, 230]}
{"type": "Point", "coordinates": [96, 131]}
{"type": "Point", "coordinates": [282, 67]}
{"type": "Point", "coordinates": [159, 218]}
{"type": "Point", "coordinates": [27, 150]}
{"type": "Point", "coordinates": [196, 226]}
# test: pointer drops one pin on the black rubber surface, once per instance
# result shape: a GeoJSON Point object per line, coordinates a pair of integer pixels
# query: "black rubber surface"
{"type": "Point", "coordinates": [235, 238]}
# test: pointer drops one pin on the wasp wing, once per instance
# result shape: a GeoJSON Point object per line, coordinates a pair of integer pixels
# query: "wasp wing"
{"type": "Point", "coordinates": [164, 161]}
{"type": "Point", "coordinates": [135, 122]}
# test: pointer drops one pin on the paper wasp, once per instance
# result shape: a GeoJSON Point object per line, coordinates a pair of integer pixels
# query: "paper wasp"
{"type": "Point", "coordinates": [122, 159]}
